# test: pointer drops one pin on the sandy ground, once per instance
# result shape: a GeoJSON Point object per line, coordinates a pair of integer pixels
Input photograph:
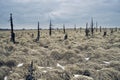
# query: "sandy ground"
{"type": "Point", "coordinates": [77, 58]}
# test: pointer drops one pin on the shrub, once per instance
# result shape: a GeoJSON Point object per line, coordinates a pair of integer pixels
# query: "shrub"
{"type": "Point", "coordinates": [1, 63]}
{"type": "Point", "coordinates": [10, 63]}
{"type": "Point", "coordinates": [81, 77]}
{"type": "Point", "coordinates": [3, 72]}
{"type": "Point", "coordinates": [115, 65]}
{"type": "Point", "coordinates": [14, 76]}
{"type": "Point", "coordinates": [67, 55]}
{"type": "Point", "coordinates": [9, 48]}
{"type": "Point", "coordinates": [86, 73]}
{"type": "Point", "coordinates": [65, 76]}
{"type": "Point", "coordinates": [46, 62]}
{"type": "Point", "coordinates": [56, 55]}
{"type": "Point", "coordinates": [108, 74]}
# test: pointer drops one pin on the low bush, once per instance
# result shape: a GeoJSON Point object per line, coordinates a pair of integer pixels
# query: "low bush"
{"type": "Point", "coordinates": [10, 63]}
{"type": "Point", "coordinates": [56, 55]}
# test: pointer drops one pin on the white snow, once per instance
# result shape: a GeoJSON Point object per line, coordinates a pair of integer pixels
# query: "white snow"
{"type": "Point", "coordinates": [76, 75]}
{"type": "Point", "coordinates": [20, 65]}
{"type": "Point", "coordinates": [49, 67]}
{"type": "Point", "coordinates": [87, 58]}
{"type": "Point", "coordinates": [5, 78]}
{"type": "Point", "coordinates": [106, 62]}
{"type": "Point", "coordinates": [11, 71]}
{"type": "Point", "coordinates": [44, 71]}
{"type": "Point", "coordinates": [40, 67]}
{"type": "Point", "coordinates": [98, 70]}
{"type": "Point", "coordinates": [62, 67]}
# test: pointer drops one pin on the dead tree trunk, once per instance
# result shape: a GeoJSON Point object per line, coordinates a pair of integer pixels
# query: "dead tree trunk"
{"type": "Point", "coordinates": [100, 29]}
{"type": "Point", "coordinates": [80, 29]}
{"type": "Point", "coordinates": [116, 29]}
{"type": "Point", "coordinates": [75, 27]}
{"type": "Point", "coordinates": [105, 32]}
{"type": "Point", "coordinates": [86, 30]}
{"type": "Point", "coordinates": [64, 28]}
{"type": "Point", "coordinates": [96, 26]}
{"type": "Point", "coordinates": [92, 29]}
{"type": "Point", "coordinates": [38, 34]}
{"type": "Point", "coordinates": [30, 72]}
{"type": "Point", "coordinates": [12, 32]}
{"type": "Point", "coordinates": [50, 28]}
{"type": "Point", "coordinates": [65, 37]}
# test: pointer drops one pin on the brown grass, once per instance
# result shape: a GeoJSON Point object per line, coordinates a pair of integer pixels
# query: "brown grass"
{"type": "Point", "coordinates": [91, 58]}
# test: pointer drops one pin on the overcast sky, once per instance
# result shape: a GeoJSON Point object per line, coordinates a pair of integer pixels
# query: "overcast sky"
{"type": "Point", "coordinates": [26, 13]}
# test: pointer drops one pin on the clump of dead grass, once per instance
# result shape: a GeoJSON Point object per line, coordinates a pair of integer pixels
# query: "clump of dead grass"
{"type": "Point", "coordinates": [82, 77]}
{"type": "Point", "coordinates": [107, 74]}
{"type": "Point", "coordinates": [3, 72]}
{"type": "Point", "coordinates": [56, 55]}
{"type": "Point", "coordinates": [115, 65]}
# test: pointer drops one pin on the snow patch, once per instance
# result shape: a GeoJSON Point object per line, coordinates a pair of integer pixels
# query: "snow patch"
{"type": "Point", "coordinates": [85, 77]}
{"type": "Point", "coordinates": [76, 75]}
{"type": "Point", "coordinates": [20, 65]}
{"type": "Point", "coordinates": [34, 50]}
{"type": "Point", "coordinates": [5, 78]}
{"type": "Point", "coordinates": [98, 70]}
{"type": "Point", "coordinates": [49, 67]}
{"type": "Point", "coordinates": [87, 59]}
{"type": "Point", "coordinates": [62, 67]}
{"type": "Point", "coordinates": [44, 71]}
{"type": "Point", "coordinates": [44, 67]}
{"type": "Point", "coordinates": [40, 67]}
{"type": "Point", "coordinates": [106, 62]}
{"type": "Point", "coordinates": [11, 71]}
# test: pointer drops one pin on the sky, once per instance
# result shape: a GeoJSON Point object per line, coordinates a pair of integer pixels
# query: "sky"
{"type": "Point", "coordinates": [26, 13]}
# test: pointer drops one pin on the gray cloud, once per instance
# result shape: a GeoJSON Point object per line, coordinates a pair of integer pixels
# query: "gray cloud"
{"type": "Point", "coordinates": [28, 12]}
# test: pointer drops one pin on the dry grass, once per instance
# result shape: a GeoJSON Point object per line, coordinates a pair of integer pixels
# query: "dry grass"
{"type": "Point", "coordinates": [77, 58]}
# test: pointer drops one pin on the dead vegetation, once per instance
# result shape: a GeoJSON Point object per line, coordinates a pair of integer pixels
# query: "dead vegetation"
{"type": "Point", "coordinates": [76, 58]}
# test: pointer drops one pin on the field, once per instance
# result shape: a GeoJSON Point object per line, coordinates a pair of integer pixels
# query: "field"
{"type": "Point", "coordinates": [76, 58]}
